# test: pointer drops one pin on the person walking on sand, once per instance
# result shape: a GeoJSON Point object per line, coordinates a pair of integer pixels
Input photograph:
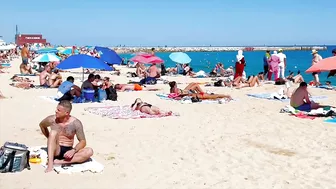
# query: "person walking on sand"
{"type": "Point", "coordinates": [60, 143]}
{"type": "Point", "coordinates": [315, 59]}
{"type": "Point", "coordinates": [282, 64]}
{"type": "Point", "coordinates": [267, 56]}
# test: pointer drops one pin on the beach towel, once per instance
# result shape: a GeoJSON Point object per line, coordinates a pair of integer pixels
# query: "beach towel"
{"type": "Point", "coordinates": [122, 112]}
{"type": "Point", "coordinates": [326, 87]}
{"type": "Point", "coordinates": [331, 120]}
{"type": "Point", "coordinates": [89, 166]}
{"type": "Point", "coordinates": [5, 65]}
{"type": "Point", "coordinates": [187, 100]}
{"type": "Point", "coordinates": [273, 96]}
{"type": "Point", "coordinates": [321, 112]}
{"type": "Point", "coordinates": [54, 99]}
{"type": "Point", "coordinates": [28, 85]}
{"type": "Point", "coordinates": [25, 74]}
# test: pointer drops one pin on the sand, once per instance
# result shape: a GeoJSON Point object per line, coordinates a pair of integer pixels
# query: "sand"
{"type": "Point", "coordinates": [242, 144]}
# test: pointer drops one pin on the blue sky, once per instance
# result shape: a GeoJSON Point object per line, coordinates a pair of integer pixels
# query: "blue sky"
{"type": "Point", "coordinates": [172, 22]}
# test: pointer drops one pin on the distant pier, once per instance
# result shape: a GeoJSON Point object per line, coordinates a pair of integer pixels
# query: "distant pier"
{"type": "Point", "coordinates": [214, 49]}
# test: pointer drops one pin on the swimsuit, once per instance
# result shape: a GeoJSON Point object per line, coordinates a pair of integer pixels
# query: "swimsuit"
{"type": "Point", "coordinates": [24, 60]}
{"type": "Point", "coordinates": [137, 87]}
{"type": "Point", "coordinates": [304, 107]}
{"type": "Point", "coordinates": [64, 149]}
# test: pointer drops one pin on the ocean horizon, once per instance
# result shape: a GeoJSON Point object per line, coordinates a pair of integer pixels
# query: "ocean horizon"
{"type": "Point", "coordinates": [296, 61]}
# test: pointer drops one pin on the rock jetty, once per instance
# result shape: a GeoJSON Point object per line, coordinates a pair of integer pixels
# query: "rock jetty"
{"type": "Point", "coordinates": [214, 49]}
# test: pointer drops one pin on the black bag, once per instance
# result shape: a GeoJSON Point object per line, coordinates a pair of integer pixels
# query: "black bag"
{"type": "Point", "coordinates": [111, 94]}
{"type": "Point", "coordinates": [14, 157]}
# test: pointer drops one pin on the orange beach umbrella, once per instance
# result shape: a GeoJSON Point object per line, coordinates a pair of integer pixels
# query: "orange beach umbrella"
{"type": "Point", "coordinates": [324, 65]}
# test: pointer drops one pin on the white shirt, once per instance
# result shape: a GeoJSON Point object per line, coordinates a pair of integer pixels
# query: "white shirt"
{"type": "Point", "coordinates": [282, 58]}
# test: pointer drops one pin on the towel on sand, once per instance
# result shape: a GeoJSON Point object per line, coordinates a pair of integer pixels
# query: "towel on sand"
{"type": "Point", "coordinates": [321, 112]}
{"type": "Point", "coordinates": [54, 100]}
{"type": "Point", "coordinates": [331, 120]}
{"type": "Point", "coordinates": [25, 74]}
{"type": "Point", "coordinates": [327, 87]}
{"type": "Point", "coordinates": [187, 100]}
{"type": "Point", "coordinates": [272, 96]}
{"type": "Point", "coordinates": [121, 112]}
{"type": "Point", "coordinates": [89, 166]}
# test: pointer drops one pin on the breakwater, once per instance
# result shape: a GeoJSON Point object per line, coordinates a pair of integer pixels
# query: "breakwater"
{"type": "Point", "coordinates": [214, 49]}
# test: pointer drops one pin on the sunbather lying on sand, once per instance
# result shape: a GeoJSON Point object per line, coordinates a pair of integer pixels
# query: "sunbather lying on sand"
{"type": "Point", "coordinates": [131, 87]}
{"type": "Point", "coordinates": [295, 79]}
{"type": "Point", "coordinates": [22, 85]}
{"type": "Point", "coordinates": [147, 108]}
{"type": "Point", "coordinates": [251, 82]}
{"type": "Point", "coordinates": [16, 78]}
{"type": "Point", "coordinates": [194, 90]}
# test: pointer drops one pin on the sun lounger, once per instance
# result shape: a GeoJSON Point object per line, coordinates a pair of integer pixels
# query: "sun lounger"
{"type": "Point", "coordinates": [122, 112]}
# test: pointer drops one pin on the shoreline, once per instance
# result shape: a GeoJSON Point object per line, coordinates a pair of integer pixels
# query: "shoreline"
{"type": "Point", "coordinates": [124, 50]}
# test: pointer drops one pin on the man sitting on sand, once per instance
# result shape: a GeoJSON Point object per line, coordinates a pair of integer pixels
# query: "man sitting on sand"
{"type": "Point", "coordinates": [64, 127]}
{"type": "Point", "coordinates": [47, 79]}
{"type": "Point", "coordinates": [300, 99]}
{"type": "Point", "coordinates": [194, 90]}
{"type": "Point", "coordinates": [67, 90]}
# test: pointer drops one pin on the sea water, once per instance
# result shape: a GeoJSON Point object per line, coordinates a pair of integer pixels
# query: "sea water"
{"type": "Point", "coordinates": [296, 61]}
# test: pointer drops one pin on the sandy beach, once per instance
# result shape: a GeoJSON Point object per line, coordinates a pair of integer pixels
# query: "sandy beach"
{"type": "Point", "coordinates": [246, 143]}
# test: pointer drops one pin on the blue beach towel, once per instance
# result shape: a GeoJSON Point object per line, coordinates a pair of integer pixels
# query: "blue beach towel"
{"type": "Point", "coordinates": [5, 65]}
{"type": "Point", "coordinates": [269, 96]}
{"type": "Point", "coordinates": [25, 74]}
{"type": "Point", "coordinates": [326, 87]}
{"type": "Point", "coordinates": [332, 120]}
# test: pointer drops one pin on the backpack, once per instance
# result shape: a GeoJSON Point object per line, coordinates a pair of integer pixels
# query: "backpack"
{"type": "Point", "coordinates": [14, 157]}
{"type": "Point", "coordinates": [111, 94]}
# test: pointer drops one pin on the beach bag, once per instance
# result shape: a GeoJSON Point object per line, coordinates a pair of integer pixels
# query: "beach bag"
{"type": "Point", "coordinates": [111, 94]}
{"type": "Point", "coordinates": [14, 157]}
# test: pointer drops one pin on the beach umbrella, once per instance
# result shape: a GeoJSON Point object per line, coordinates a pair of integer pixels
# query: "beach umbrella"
{"type": "Point", "coordinates": [108, 55]}
{"type": "Point", "coordinates": [68, 51]}
{"type": "Point", "coordinates": [180, 57]}
{"type": "Point", "coordinates": [47, 57]}
{"type": "Point", "coordinates": [324, 65]}
{"type": "Point", "coordinates": [147, 59]}
{"type": "Point", "coordinates": [83, 61]}
{"type": "Point", "coordinates": [47, 50]}
{"type": "Point", "coordinates": [60, 48]}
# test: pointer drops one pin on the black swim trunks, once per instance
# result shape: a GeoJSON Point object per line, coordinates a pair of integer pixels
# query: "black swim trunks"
{"type": "Point", "coordinates": [63, 150]}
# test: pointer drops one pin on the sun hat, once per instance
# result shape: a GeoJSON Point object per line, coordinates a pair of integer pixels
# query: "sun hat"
{"type": "Point", "coordinates": [314, 51]}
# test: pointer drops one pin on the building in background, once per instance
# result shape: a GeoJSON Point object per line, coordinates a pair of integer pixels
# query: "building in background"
{"type": "Point", "coordinates": [21, 39]}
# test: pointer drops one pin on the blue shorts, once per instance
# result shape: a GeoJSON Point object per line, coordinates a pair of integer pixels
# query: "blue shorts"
{"type": "Point", "coordinates": [304, 107]}
{"type": "Point", "coordinates": [25, 60]}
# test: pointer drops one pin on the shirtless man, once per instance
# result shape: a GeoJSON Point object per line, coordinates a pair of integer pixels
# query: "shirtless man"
{"type": "Point", "coordinates": [300, 99]}
{"type": "Point", "coordinates": [45, 76]}
{"type": "Point", "coordinates": [24, 67]}
{"type": "Point", "coordinates": [64, 127]}
{"type": "Point", "coordinates": [128, 87]}
{"type": "Point", "coordinates": [153, 71]}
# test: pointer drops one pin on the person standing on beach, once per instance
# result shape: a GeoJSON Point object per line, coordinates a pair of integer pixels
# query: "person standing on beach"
{"type": "Point", "coordinates": [240, 64]}
{"type": "Point", "coordinates": [332, 72]}
{"type": "Point", "coordinates": [315, 59]}
{"type": "Point", "coordinates": [266, 58]}
{"type": "Point", "coordinates": [24, 67]}
{"type": "Point", "coordinates": [282, 64]}
{"type": "Point", "coordinates": [273, 67]}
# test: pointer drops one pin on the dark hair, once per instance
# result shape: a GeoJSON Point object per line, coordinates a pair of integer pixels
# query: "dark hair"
{"type": "Point", "coordinates": [91, 76]}
{"type": "Point", "coordinates": [334, 51]}
{"type": "Point", "coordinates": [116, 86]}
{"type": "Point", "coordinates": [268, 51]}
{"type": "Point", "coordinates": [97, 76]}
{"type": "Point", "coordinates": [66, 104]}
{"type": "Point", "coordinates": [328, 82]}
{"type": "Point", "coordinates": [153, 49]}
{"type": "Point", "coordinates": [71, 79]}
{"type": "Point", "coordinates": [303, 84]}
{"type": "Point", "coordinates": [172, 84]}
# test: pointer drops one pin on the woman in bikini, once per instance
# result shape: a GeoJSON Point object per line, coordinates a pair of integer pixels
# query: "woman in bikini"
{"type": "Point", "coordinates": [147, 108]}
{"type": "Point", "coordinates": [194, 90]}
{"type": "Point", "coordinates": [251, 82]}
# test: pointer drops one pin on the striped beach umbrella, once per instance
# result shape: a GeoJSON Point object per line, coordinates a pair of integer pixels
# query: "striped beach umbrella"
{"type": "Point", "coordinates": [48, 57]}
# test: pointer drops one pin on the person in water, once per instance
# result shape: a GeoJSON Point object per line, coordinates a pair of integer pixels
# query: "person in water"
{"type": "Point", "coordinates": [63, 128]}
{"type": "Point", "coordinates": [147, 108]}
{"type": "Point", "coordinates": [194, 90]}
{"type": "Point", "coordinates": [300, 99]}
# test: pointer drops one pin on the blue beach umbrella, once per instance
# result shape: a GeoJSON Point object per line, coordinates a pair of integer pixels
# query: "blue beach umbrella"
{"type": "Point", "coordinates": [69, 51]}
{"type": "Point", "coordinates": [47, 57]}
{"type": "Point", "coordinates": [108, 55]}
{"type": "Point", "coordinates": [180, 57]}
{"type": "Point", "coordinates": [83, 61]}
{"type": "Point", "coordinates": [47, 50]}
